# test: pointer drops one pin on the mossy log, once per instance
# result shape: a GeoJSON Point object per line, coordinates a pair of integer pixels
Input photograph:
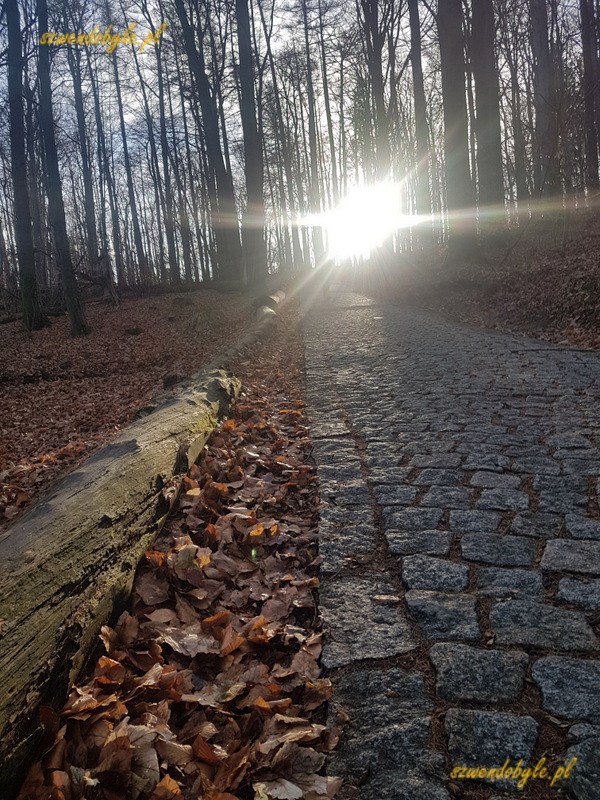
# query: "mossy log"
{"type": "Point", "coordinates": [67, 565]}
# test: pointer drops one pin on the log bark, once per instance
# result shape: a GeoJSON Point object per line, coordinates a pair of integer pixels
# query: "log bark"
{"type": "Point", "coordinates": [67, 565]}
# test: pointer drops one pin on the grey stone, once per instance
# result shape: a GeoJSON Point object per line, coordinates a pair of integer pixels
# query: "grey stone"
{"type": "Point", "coordinates": [403, 543]}
{"type": "Point", "coordinates": [340, 515]}
{"type": "Point", "coordinates": [424, 572]}
{"type": "Point", "coordinates": [353, 493]}
{"type": "Point", "coordinates": [495, 480]}
{"type": "Point", "coordinates": [584, 780]}
{"type": "Point", "coordinates": [330, 451]}
{"type": "Point", "coordinates": [568, 555]}
{"type": "Point", "coordinates": [376, 699]}
{"type": "Point", "coordinates": [585, 594]}
{"type": "Point", "coordinates": [436, 461]}
{"type": "Point", "coordinates": [536, 465]}
{"type": "Point", "coordinates": [499, 582]}
{"type": "Point", "coordinates": [390, 758]}
{"type": "Point", "coordinates": [490, 548]}
{"type": "Point", "coordinates": [395, 495]}
{"type": "Point", "coordinates": [569, 687]}
{"type": "Point", "coordinates": [526, 622]}
{"type": "Point", "coordinates": [581, 731]}
{"type": "Point", "coordinates": [467, 673]}
{"type": "Point", "coordinates": [582, 527]}
{"type": "Point", "coordinates": [438, 477]}
{"type": "Point", "coordinates": [474, 521]}
{"type": "Point", "coordinates": [444, 616]}
{"type": "Point", "coordinates": [544, 525]}
{"type": "Point", "coordinates": [357, 625]}
{"type": "Point", "coordinates": [447, 497]}
{"type": "Point", "coordinates": [338, 545]}
{"type": "Point", "coordinates": [412, 519]}
{"type": "Point", "coordinates": [561, 502]}
{"type": "Point", "coordinates": [343, 472]}
{"type": "Point", "coordinates": [388, 475]}
{"type": "Point", "coordinates": [484, 463]}
{"type": "Point", "coordinates": [503, 500]}
{"type": "Point", "coordinates": [486, 739]}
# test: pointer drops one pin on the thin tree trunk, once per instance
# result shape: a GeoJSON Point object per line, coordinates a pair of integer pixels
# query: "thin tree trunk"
{"type": "Point", "coordinates": [145, 274]}
{"type": "Point", "coordinates": [56, 209]}
{"type": "Point", "coordinates": [547, 179]}
{"type": "Point", "coordinates": [459, 188]}
{"type": "Point", "coordinates": [33, 316]}
{"type": "Point", "coordinates": [253, 219]}
{"type": "Point", "coordinates": [590, 76]}
{"type": "Point", "coordinates": [223, 208]}
{"type": "Point", "coordinates": [421, 133]}
{"type": "Point", "coordinates": [487, 120]}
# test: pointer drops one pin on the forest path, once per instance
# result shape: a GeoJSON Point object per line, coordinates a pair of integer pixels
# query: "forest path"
{"type": "Point", "coordinates": [460, 536]}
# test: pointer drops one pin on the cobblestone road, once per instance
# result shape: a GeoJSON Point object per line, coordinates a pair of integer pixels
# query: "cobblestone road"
{"type": "Point", "coordinates": [460, 537]}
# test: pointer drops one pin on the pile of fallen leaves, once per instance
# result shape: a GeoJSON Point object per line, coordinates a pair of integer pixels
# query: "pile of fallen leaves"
{"type": "Point", "coordinates": [63, 397]}
{"type": "Point", "coordinates": [210, 686]}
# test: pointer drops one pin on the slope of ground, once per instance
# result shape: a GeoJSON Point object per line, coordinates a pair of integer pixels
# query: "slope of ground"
{"type": "Point", "coordinates": [62, 397]}
{"type": "Point", "coordinates": [542, 280]}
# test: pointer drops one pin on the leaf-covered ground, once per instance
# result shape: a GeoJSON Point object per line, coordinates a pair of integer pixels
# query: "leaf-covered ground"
{"type": "Point", "coordinates": [543, 281]}
{"type": "Point", "coordinates": [209, 685]}
{"type": "Point", "coordinates": [62, 397]}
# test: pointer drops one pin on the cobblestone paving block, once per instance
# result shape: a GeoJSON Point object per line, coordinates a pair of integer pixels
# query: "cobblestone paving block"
{"type": "Point", "coordinates": [436, 574]}
{"type": "Point", "coordinates": [340, 515]}
{"type": "Point", "coordinates": [437, 461]}
{"type": "Point", "coordinates": [327, 429]}
{"type": "Point", "coordinates": [527, 622]}
{"type": "Point", "coordinates": [444, 616]}
{"type": "Point", "coordinates": [341, 472]}
{"type": "Point", "coordinates": [582, 527]}
{"type": "Point", "coordinates": [546, 526]}
{"type": "Point", "coordinates": [500, 582]}
{"type": "Point", "coordinates": [488, 738]}
{"type": "Point", "coordinates": [354, 493]}
{"type": "Point", "coordinates": [568, 555]}
{"type": "Point", "coordinates": [488, 463]}
{"type": "Point", "coordinates": [411, 519]}
{"type": "Point", "coordinates": [562, 502]}
{"type": "Point", "coordinates": [439, 477]}
{"type": "Point", "coordinates": [395, 495]}
{"type": "Point", "coordinates": [404, 543]}
{"type": "Point", "coordinates": [474, 521]}
{"type": "Point", "coordinates": [495, 480]}
{"type": "Point", "coordinates": [447, 497]}
{"type": "Point", "coordinates": [359, 626]}
{"type": "Point", "coordinates": [388, 475]}
{"type": "Point", "coordinates": [584, 780]}
{"type": "Point", "coordinates": [582, 593]}
{"type": "Point", "coordinates": [569, 687]}
{"type": "Point", "coordinates": [335, 451]}
{"type": "Point", "coordinates": [536, 466]}
{"type": "Point", "coordinates": [337, 545]}
{"type": "Point", "coordinates": [503, 500]}
{"type": "Point", "coordinates": [466, 673]}
{"type": "Point", "coordinates": [375, 699]}
{"type": "Point", "coordinates": [491, 548]}
{"type": "Point", "coordinates": [392, 764]}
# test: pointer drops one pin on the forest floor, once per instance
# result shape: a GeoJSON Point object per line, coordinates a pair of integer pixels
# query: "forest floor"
{"type": "Point", "coordinates": [543, 281]}
{"type": "Point", "coordinates": [62, 397]}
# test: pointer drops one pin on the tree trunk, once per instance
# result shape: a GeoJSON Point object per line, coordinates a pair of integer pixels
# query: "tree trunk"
{"type": "Point", "coordinates": [459, 188]}
{"type": "Point", "coordinates": [56, 209]}
{"type": "Point", "coordinates": [315, 193]}
{"type": "Point", "coordinates": [223, 207]}
{"type": "Point", "coordinates": [487, 119]}
{"type": "Point", "coordinates": [590, 76]}
{"type": "Point", "coordinates": [421, 132]}
{"type": "Point", "coordinates": [33, 316]}
{"type": "Point", "coordinates": [547, 178]}
{"type": "Point", "coordinates": [253, 219]}
{"type": "Point", "coordinates": [145, 274]}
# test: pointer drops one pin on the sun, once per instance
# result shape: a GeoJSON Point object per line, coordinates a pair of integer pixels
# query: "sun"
{"type": "Point", "coordinates": [364, 219]}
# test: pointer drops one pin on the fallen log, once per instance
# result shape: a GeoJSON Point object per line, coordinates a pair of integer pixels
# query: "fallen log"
{"type": "Point", "coordinates": [67, 565]}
